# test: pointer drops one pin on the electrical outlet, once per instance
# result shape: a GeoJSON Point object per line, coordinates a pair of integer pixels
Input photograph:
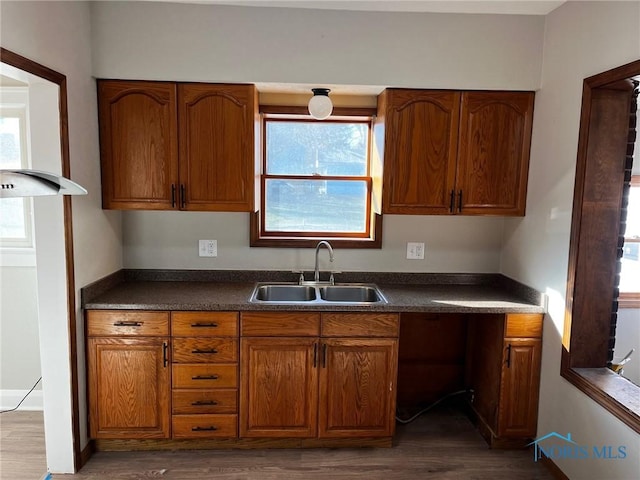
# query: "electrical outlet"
{"type": "Point", "coordinates": [415, 250]}
{"type": "Point", "coordinates": [208, 248]}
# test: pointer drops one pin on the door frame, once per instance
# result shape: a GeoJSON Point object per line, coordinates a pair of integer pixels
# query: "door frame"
{"type": "Point", "coordinates": [15, 60]}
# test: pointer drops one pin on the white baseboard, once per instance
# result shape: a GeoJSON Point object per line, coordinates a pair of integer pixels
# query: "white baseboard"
{"type": "Point", "coordinates": [10, 398]}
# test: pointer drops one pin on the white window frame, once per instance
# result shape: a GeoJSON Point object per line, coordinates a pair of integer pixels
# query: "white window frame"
{"type": "Point", "coordinates": [14, 102]}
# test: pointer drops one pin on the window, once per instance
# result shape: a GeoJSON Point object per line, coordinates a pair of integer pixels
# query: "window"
{"type": "Point", "coordinates": [630, 272]}
{"type": "Point", "coordinates": [316, 182]}
{"type": "Point", "coordinates": [15, 213]}
{"type": "Point", "coordinates": [607, 127]}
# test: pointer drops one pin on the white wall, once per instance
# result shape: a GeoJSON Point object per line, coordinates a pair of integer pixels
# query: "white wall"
{"type": "Point", "coordinates": [57, 35]}
{"type": "Point", "coordinates": [19, 341]}
{"type": "Point", "coordinates": [234, 44]}
{"type": "Point", "coordinates": [581, 39]}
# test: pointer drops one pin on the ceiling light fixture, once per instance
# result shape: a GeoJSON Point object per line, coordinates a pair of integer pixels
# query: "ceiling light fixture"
{"type": "Point", "coordinates": [320, 105]}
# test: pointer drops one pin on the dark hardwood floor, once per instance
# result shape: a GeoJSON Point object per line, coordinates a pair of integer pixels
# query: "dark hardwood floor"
{"type": "Point", "coordinates": [442, 444]}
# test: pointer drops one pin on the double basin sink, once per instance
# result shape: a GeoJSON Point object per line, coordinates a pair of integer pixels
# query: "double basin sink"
{"type": "Point", "coordinates": [340, 294]}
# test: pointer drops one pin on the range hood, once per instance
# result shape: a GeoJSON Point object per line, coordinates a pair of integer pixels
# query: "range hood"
{"type": "Point", "coordinates": [35, 183]}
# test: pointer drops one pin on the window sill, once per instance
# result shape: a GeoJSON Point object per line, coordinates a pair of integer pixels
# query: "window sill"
{"type": "Point", "coordinates": [337, 242]}
{"type": "Point", "coordinates": [615, 393]}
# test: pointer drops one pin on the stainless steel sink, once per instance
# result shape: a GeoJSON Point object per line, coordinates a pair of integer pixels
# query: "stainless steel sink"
{"type": "Point", "coordinates": [317, 294]}
{"type": "Point", "coordinates": [284, 293]}
{"type": "Point", "coordinates": [351, 294]}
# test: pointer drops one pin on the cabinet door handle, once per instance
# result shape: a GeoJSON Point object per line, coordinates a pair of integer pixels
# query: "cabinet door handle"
{"type": "Point", "coordinates": [165, 359]}
{"type": "Point", "coordinates": [212, 428]}
{"type": "Point", "coordinates": [213, 350]}
{"type": "Point", "coordinates": [205, 377]}
{"type": "Point", "coordinates": [173, 195]}
{"type": "Point", "coordinates": [127, 324]}
{"type": "Point", "coordinates": [201, 403]}
{"type": "Point", "coordinates": [315, 355]}
{"type": "Point", "coordinates": [509, 356]}
{"type": "Point", "coordinates": [183, 200]}
{"type": "Point", "coordinates": [204, 325]}
{"type": "Point", "coordinates": [460, 201]}
{"type": "Point", "coordinates": [324, 355]}
{"type": "Point", "coordinates": [452, 201]}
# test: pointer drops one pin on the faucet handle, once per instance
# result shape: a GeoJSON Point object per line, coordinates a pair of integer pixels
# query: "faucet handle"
{"type": "Point", "coordinates": [301, 277]}
{"type": "Point", "coordinates": [332, 280]}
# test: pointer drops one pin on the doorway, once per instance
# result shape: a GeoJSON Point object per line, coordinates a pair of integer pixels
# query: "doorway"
{"type": "Point", "coordinates": [53, 237]}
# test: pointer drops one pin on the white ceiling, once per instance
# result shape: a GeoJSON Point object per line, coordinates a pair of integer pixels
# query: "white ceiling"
{"type": "Point", "coordinates": [514, 7]}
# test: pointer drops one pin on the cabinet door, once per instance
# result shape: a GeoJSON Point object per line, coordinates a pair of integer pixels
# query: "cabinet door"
{"type": "Point", "coordinates": [357, 388]}
{"type": "Point", "coordinates": [420, 150]}
{"type": "Point", "coordinates": [520, 386]}
{"type": "Point", "coordinates": [279, 391]}
{"type": "Point", "coordinates": [129, 387]}
{"type": "Point", "coordinates": [493, 157]}
{"type": "Point", "coordinates": [216, 146]}
{"type": "Point", "coordinates": [138, 144]}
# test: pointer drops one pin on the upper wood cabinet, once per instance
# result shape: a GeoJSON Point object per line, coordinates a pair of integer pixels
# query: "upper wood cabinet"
{"type": "Point", "coordinates": [217, 146]}
{"type": "Point", "coordinates": [493, 153]}
{"type": "Point", "coordinates": [168, 146]}
{"type": "Point", "coordinates": [420, 145]}
{"type": "Point", "coordinates": [448, 152]}
{"type": "Point", "coordinates": [138, 144]}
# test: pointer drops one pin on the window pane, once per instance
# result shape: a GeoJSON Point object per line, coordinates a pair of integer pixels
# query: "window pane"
{"type": "Point", "coordinates": [10, 155]}
{"type": "Point", "coordinates": [12, 219]}
{"type": "Point", "coordinates": [315, 206]}
{"type": "Point", "coordinates": [316, 148]}
{"type": "Point", "coordinates": [630, 273]}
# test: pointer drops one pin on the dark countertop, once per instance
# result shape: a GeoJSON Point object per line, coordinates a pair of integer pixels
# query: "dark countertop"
{"type": "Point", "coordinates": [158, 290]}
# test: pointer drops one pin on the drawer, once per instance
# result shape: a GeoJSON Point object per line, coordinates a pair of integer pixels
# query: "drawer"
{"type": "Point", "coordinates": [360, 325]}
{"type": "Point", "coordinates": [113, 323]}
{"type": "Point", "coordinates": [523, 325]}
{"type": "Point", "coordinates": [205, 350]}
{"type": "Point", "coordinates": [211, 375]}
{"type": "Point", "coordinates": [204, 401]}
{"type": "Point", "coordinates": [204, 324]}
{"type": "Point", "coordinates": [204, 426]}
{"type": "Point", "coordinates": [281, 324]}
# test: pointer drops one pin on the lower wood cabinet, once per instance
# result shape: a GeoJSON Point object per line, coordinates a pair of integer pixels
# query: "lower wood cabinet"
{"type": "Point", "coordinates": [204, 384]}
{"type": "Point", "coordinates": [308, 386]}
{"type": "Point", "coordinates": [128, 374]}
{"type": "Point", "coordinates": [503, 369]}
{"type": "Point", "coordinates": [357, 387]}
{"type": "Point", "coordinates": [279, 389]}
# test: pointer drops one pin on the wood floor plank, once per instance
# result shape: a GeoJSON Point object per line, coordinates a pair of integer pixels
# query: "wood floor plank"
{"type": "Point", "coordinates": [22, 449]}
{"type": "Point", "coordinates": [441, 444]}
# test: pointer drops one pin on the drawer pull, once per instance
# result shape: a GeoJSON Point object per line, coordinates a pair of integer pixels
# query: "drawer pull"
{"type": "Point", "coordinates": [204, 325]}
{"type": "Point", "coordinates": [201, 403]}
{"type": "Point", "coordinates": [205, 377]}
{"type": "Point", "coordinates": [212, 428]}
{"type": "Point", "coordinates": [213, 350]}
{"type": "Point", "coordinates": [127, 324]}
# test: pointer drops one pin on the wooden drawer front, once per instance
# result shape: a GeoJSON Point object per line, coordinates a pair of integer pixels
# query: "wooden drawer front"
{"type": "Point", "coordinates": [204, 426]}
{"type": "Point", "coordinates": [204, 401]}
{"type": "Point", "coordinates": [204, 324]}
{"type": "Point", "coordinates": [205, 350]}
{"type": "Point", "coordinates": [285, 324]}
{"type": "Point", "coordinates": [524, 325]}
{"type": "Point", "coordinates": [112, 323]}
{"type": "Point", "coordinates": [204, 375]}
{"type": "Point", "coordinates": [360, 324]}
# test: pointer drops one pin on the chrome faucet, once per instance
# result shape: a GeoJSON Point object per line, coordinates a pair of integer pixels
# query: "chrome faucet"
{"type": "Point", "coordinates": [316, 272]}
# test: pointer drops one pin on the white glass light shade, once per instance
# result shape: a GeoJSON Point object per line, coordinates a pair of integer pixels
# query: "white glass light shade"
{"type": "Point", "coordinates": [320, 105]}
